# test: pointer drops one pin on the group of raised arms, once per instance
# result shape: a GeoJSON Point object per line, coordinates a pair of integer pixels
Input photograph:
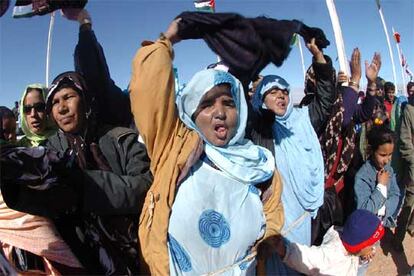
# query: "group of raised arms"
{"type": "Point", "coordinates": [225, 175]}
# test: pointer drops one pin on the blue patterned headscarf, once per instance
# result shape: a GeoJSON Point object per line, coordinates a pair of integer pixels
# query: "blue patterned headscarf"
{"type": "Point", "coordinates": [266, 84]}
{"type": "Point", "coordinates": [297, 148]}
{"type": "Point", "coordinates": [240, 158]}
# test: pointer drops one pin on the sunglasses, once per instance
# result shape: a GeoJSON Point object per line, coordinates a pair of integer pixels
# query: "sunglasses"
{"type": "Point", "coordinates": [38, 107]}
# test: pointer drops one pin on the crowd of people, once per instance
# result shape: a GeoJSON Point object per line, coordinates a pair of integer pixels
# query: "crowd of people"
{"type": "Point", "coordinates": [225, 176]}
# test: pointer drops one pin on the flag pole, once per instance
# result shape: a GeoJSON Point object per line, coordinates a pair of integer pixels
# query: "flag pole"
{"type": "Point", "coordinates": [397, 43]}
{"type": "Point", "coordinates": [388, 41]}
{"type": "Point", "coordinates": [49, 46]}
{"type": "Point", "coordinates": [340, 47]}
{"type": "Point", "coordinates": [301, 57]}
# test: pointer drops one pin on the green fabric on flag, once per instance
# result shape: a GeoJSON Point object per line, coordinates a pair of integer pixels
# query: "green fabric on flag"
{"type": "Point", "coordinates": [205, 5]}
{"type": "Point", "coordinates": [295, 40]}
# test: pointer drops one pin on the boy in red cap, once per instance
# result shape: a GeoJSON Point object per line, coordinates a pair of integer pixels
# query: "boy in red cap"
{"type": "Point", "coordinates": [342, 250]}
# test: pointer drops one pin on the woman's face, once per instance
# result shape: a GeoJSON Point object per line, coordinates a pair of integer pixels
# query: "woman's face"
{"type": "Point", "coordinates": [277, 100]}
{"type": "Point", "coordinates": [382, 155]}
{"type": "Point", "coordinates": [216, 115]}
{"type": "Point", "coordinates": [68, 110]}
{"type": "Point", "coordinates": [34, 110]}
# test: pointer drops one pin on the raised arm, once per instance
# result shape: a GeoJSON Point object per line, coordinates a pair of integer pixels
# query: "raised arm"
{"type": "Point", "coordinates": [153, 95]}
{"type": "Point", "coordinates": [361, 112]}
{"type": "Point", "coordinates": [90, 61]}
{"type": "Point", "coordinates": [325, 94]}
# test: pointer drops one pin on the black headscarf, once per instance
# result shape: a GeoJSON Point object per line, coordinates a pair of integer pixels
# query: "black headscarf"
{"type": "Point", "coordinates": [84, 144]}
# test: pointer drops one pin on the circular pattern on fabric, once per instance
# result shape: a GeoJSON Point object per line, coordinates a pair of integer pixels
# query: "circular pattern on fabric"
{"type": "Point", "coordinates": [179, 255]}
{"type": "Point", "coordinates": [214, 229]}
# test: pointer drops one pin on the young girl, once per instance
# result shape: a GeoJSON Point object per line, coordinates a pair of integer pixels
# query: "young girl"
{"type": "Point", "coordinates": [376, 187]}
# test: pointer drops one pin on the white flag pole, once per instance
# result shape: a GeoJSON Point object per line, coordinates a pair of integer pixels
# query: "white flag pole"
{"type": "Point", "coordinates": [301, 57]}
{"type": "Point", "coordinates": [404, 88]}
{"type": "Point", "coordinates": [49, 46]}
{"type": "Point", "coordinates": [388, 42]}
{"type": "Point", "coordinates": [340, 47]}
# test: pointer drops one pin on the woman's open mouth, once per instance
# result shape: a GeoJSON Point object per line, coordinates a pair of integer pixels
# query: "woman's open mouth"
{"type": "Point", "coordinates": [221, 131]}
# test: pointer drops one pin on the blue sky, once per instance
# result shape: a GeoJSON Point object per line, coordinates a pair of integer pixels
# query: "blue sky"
{"type": "Point", "coordinates": [121, 26]}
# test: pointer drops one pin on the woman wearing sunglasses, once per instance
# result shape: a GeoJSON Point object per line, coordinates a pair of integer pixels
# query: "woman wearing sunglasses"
{"type": "Point", "coordinates": [35, 123]}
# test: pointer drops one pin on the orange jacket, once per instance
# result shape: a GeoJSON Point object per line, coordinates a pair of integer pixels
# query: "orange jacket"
{"type": "Point", "coordinates": [173, 149]}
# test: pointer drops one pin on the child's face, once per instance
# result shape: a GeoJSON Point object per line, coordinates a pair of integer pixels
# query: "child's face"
{"type": "Point", "coordinates": [9, 129]}
{"type": "Point", "coordinates": [382, 156]}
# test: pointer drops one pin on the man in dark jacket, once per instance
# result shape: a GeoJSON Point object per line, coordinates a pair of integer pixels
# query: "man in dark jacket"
{"type": "Point", "coordinates": [111, 180]}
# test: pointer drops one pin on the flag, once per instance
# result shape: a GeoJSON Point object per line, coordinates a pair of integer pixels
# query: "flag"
{"type": "Point", "coordinates": [205, 5]}
{"type": "Point", "coordinates": [409, 73]}
{"type": "Point", "coordinates": [397, 37]}
{"type": "Point", "coordinates": [29, 8]}
{"type": "Point", "coordinates": [378, 4]}
{"type": "Point", "coordinates": [404, 64]}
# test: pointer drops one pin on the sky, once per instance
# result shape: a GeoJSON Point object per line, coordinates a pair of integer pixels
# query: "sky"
{"type": "Point", "coordinates": [121, 25]}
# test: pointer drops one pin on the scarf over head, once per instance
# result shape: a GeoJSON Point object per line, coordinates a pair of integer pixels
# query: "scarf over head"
{"type": "Point", "coordinates": [240, 158]}
{"type": "Point", "coordinates": [32, 139]}
{"type": "Point", "coordinates": [74, 80]}
{"type": "Point", "coordinates": [89, 156]}
{"type": "Point", "coordinates": [297, 149]}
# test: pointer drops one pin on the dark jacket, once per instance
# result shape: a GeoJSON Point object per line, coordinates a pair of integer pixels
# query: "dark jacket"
{"type": "Point", "coordinates": [95, 211]}
{"type": "Point", "coordinates": [113, 104]}
{"type": "Point", "coordinates": [102, 232]}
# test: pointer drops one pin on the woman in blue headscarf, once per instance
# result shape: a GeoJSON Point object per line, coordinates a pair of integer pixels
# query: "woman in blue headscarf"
{"type": "Point", "coordinates": [291, 134]}
{"type": "Point", "coordinates": [215, 195]}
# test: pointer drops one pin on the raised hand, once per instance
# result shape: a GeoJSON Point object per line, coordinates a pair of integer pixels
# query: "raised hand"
{"type": "Point", "coordinates": [372, 70]}
{"type": "Point", "coordinates": [342, 77]}
{"type": "Point", "coordinates": [355, 65]}
{"type": "Point", "coordinates": [315, 51]}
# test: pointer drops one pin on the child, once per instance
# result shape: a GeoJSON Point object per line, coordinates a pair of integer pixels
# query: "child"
{"type": "Point", "coordinates": [341, 251]}
{"type": "Point", "coordinates": [376, 188]}
{"type": "Point", "coordinates": [7, 125]}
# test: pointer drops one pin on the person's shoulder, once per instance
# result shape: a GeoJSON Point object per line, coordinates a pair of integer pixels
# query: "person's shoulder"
{"type": "Point", "coordinates": [409, 108]}
{"type": "Point", "coordinates": [332, 235]}
{"type": "Point", "coordinates": [118, 133]}
{"type": "Point", "coordinates": [56, 141]}
{"type": "Point", "coordinates": [366, 169]}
